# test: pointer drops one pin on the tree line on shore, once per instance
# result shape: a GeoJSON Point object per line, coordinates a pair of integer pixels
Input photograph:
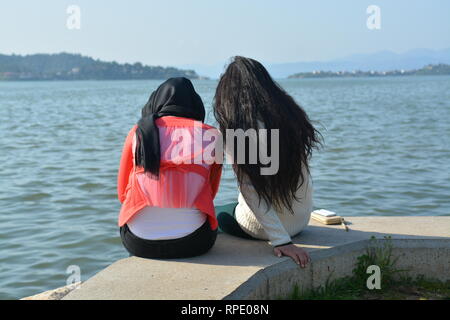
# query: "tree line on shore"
{"type": "Point", "coordinates": [66, 66]}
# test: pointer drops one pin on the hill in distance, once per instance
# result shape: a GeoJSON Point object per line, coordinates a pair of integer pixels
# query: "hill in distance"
{"type": "Point", "coordinates": [66, 66]}
{"type": "Point", "coordinates": [382, 61]}
{"type": "Point", "coordinates": [379, 61]}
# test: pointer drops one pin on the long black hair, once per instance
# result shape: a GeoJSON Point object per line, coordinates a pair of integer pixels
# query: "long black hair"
{"type": "Point", "coordinates": [246, 94]}
{"type": "Point", "coordinates": [174, 97]}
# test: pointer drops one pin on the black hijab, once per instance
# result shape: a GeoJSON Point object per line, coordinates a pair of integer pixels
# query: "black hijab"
{"type": "Point", "coordinates": [174, 97]}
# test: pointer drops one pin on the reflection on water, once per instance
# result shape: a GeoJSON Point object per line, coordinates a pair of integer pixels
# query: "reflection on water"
{"type": "Point", "coordinates": [386, 153]}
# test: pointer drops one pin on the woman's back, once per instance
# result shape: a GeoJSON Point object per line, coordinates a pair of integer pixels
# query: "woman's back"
{"type": "Point", "coordinates": [184, 164]}
{"type": "Point", "coordinates": [275, 205]}
{"type": "Point", "coordinates": [263, 221]}
{"type": "Point", "coordinates": [167, 181]}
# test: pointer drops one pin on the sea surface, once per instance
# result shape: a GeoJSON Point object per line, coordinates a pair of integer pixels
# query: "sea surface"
{"type": "Point", "coordinates": [386, 152]}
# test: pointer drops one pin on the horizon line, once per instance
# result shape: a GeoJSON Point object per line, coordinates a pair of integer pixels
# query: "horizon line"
{"type": "Point", "coordinates": [183, 65]}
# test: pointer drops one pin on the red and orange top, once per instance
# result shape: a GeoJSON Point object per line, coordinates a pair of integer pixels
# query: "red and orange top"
{"type": "Point", "coordinates": [189, 173]}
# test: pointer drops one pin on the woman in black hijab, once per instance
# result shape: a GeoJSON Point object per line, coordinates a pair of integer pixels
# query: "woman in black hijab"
{"type": "Point", "coordinates": [167, 212]}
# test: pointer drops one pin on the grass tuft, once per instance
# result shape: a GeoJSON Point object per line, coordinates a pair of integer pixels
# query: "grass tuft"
{"type": "Point", "coordinates": [395, 284]}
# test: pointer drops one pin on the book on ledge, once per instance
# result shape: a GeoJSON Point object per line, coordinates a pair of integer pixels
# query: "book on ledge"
{"type": "Point", "coordinates": [326, 217]}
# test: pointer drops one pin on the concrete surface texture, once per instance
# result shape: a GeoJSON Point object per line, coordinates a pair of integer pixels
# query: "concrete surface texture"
{"type": "Point", "coordinates": [238, 269]}
{"type": "Point", "coordinates": [55, 294]}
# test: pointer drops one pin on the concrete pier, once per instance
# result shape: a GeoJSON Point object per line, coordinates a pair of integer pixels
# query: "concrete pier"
{"type": "Point", "coordinates": [247, 269]}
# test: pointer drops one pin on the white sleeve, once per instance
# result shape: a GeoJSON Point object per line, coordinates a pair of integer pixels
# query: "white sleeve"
{"type": "Point", "coordinates": [266, 216]}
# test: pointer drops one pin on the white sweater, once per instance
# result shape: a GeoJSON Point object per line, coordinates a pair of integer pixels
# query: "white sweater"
{"type": "Point", "coordinates": [263, 222]}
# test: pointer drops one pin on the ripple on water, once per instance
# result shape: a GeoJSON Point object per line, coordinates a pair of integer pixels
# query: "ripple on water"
{"type": "Point", "coordinates": [34, 196]}
{"type": "Point", "coordinates": [91, 186]}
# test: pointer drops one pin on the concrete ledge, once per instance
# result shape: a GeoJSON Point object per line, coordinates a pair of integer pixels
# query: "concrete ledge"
{"type": "Point", "coordinates": [419, 257]}
{"type": "Point", "coordinates": [55, 294]}
{"type": "Point", "coordinates": [243, 269]}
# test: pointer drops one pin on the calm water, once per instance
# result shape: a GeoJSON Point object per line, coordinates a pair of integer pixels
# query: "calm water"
{"type": "Point", "coordinates": [386, 152]}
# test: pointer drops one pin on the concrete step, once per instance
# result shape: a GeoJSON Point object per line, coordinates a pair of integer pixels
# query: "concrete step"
{"type": "Point", "coordinates": [237, 268]}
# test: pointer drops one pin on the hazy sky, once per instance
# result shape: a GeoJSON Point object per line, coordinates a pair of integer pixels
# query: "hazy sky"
{"type": "Point", "coordinates": [180, 32]}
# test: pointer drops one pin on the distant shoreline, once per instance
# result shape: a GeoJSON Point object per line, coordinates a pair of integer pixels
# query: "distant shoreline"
{"type": "Point", "coordinates": [95, 80]}
{"type": "Point", "coordinates": [429, 70]}
{"type": "Point", "coordinates": [66, 66]}
{"type": "Point", "coordinates": [75, 67]}
{"type": "Point", "coordinates": [214, 79]}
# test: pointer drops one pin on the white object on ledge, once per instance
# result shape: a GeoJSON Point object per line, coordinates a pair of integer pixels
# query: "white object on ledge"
{"type": "Point", "coordinates": [325, 213]}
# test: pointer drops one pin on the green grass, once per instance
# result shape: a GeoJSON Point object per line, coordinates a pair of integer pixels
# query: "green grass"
{"type": "Point", "coordinates": [394, 284]}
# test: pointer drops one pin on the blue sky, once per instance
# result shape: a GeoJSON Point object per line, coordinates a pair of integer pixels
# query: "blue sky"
{"type": "Point", "coordinates": [180, 32]}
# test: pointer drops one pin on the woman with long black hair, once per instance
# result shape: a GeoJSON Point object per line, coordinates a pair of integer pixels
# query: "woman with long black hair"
{"type": "Point", "coordinates": [270, 207]}
{"type": "Point", "coordinates": [167, 199]}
